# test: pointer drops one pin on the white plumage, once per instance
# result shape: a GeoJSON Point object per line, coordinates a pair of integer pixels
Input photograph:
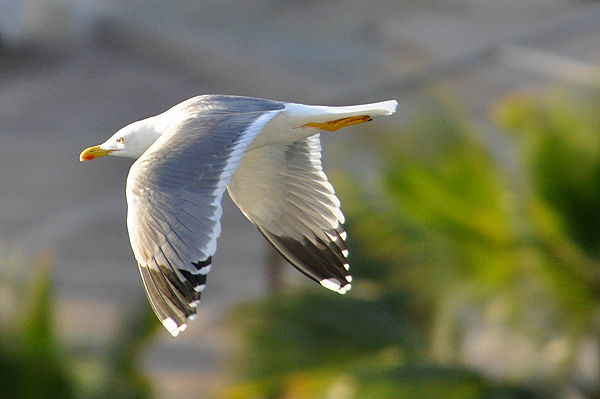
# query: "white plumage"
{"type": "Point", "coordinates": [267, 154]}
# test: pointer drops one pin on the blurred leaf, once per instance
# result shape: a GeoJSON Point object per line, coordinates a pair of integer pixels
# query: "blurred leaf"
{"type": "Point", "coordinates": [561, 146]}
{"type": "Point", "coordinates": [421, 382]}
{"type": "Point", "coordinates": [36, 326]}
{"type": "Point", "coordinates": [35, 365]}
{"type": "Point", "coordinates": [298, 334]}
{"type": "Point", "coordinates": [124, 378]}
{"type": "Point", "coordinates": [336, 328]}
{"type": "Point", "coordinates": [31, 361]}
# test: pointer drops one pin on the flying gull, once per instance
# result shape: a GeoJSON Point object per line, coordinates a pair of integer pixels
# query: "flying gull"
{"type": "Point", "coordinates": [268, 156]}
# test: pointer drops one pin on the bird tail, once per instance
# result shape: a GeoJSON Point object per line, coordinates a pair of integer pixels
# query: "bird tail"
{"type": "Point", "coordinates": [318, 114]}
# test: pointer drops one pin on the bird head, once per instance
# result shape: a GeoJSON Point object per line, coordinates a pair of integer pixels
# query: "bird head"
{"type": "Point", "coordinates": [129, 142]}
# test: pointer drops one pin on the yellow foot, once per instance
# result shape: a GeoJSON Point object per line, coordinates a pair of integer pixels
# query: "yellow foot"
{"type": "Point", "coordinates": [332, 126]}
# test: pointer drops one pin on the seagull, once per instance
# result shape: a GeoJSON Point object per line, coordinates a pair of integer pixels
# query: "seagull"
{"type": "Point", "coordinates": [267, 154]}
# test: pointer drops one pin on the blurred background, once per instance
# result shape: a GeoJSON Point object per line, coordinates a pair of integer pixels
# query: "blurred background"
{"type": "Point", "coordinates": [473, 213]}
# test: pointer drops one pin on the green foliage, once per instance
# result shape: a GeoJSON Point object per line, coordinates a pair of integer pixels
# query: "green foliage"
{"type": "Point", "coordinates": [339, 332]}
{"type": "Point", "coordinates": [34, 364]}
{"type": "Point", "coordinates": [450, 241]}
{"type": "Point", "coordinates": [561, 145]}
{"type": "Point", "coordinates": [31, 362]}
{"type": "Point", "coordinates": [314, 344]}
{"type": "Point", "coordinates": [122, 377]}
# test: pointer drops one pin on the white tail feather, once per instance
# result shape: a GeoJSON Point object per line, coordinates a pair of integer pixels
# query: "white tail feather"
{"type": "Point", "coordinates": [320, 113]}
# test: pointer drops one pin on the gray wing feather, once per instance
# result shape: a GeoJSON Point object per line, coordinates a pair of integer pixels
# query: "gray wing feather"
{"type": "Point", "coordinates": [174, 193]}
{"type": "Point", "coordinates": [283, 190]}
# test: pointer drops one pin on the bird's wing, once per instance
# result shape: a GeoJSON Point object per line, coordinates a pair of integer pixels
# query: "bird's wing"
{"type": "Point", "coordinates": [283, 190]}
{"type": "Point", "coordinates": [174, 193]}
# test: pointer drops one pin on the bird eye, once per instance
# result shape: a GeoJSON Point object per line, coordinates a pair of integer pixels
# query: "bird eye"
{"type": "Point", "coordinates": [120, 140]}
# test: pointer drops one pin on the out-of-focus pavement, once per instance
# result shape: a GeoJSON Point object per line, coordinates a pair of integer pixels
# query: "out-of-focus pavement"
{"type": "Point", "coordinates": [99, 66]}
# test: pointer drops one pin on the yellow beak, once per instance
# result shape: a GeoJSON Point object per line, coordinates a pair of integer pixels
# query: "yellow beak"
{"type": "Point", "coordinates": [92, 153]}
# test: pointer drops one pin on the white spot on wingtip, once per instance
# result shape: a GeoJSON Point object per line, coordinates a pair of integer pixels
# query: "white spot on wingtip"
{"type": "Point", "coordinates": [334, 285]}
{"type": "Point", "coordinates": [345, 252]}
{"type": "Point", "coordinates": [200, 288]}
{"type": "Point", "coordinates": [192, 317]}
{"type": "Point", "coordinates": [345, 289]}
{"type": "Point", "coordinates": [330, 284]}
{"type": "Point", "coordinates": [204, 270]}
{"type": "Point", "coordinates": [344, 235]}
{"type": "Point", "coordinates": [172, 327]}
{"type": "Point", "coordinates": [195, 303]}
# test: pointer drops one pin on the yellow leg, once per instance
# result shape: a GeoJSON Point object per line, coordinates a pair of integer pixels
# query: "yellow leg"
{"type": "Point", "coordinates": [332, 126]}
